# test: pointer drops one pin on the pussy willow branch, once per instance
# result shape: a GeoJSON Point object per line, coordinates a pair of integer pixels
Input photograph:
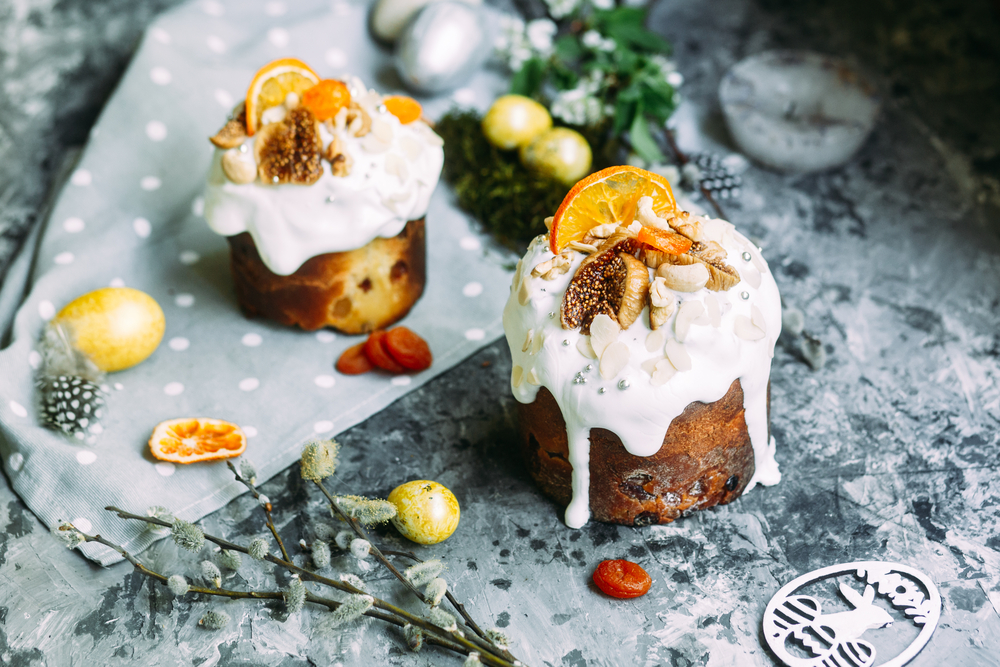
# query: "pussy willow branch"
{"type": "Point", "coordinates": [489, 654]}
{"type": "Point", "coordinates": [259, 595]}
{"type": "Point", "coordinates": [267, 509]}
{"type": "Point", "coordinates": [360, 532]}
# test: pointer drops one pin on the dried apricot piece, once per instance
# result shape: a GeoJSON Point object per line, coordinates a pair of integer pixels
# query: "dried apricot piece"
{"type": "Point", "coordinates": [191, 439]}
{"type": "Point", "coordinates": [621, 579]}
{"type": "Point", "coordinates": [665, 240]}
{"type": "Point", "coordinates": [378, 355]}
{"type": "Point", "coordinates": [354, 361]}
{"type": "Point", "coordinates": [408, 348]}
{"type": "Point", "coordinates": [406, 109]}
{"type": "Point", "coordinates": [326, 98]}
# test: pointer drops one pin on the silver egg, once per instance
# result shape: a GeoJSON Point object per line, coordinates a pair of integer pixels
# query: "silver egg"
{"type": "Point", "coordinates": [442, 46]}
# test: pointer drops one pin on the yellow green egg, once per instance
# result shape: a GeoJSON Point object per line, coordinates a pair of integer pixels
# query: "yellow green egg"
{"type": "Point", "coordinates": [561, 153]}
{"type": "Point", "coordinates": [117, 327]}
{"type": "Point", "coordinates": [515, 120]}
{"type": "Point", "coordinates": [426, 512]}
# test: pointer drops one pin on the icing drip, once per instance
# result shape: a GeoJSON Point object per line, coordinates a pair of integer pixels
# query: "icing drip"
{"type": "Point", "coordinates": [705, 360]}
{"type": "Point", "coordinates": [395, 169]}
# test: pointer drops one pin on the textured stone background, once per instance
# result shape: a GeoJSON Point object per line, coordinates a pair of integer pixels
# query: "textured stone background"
{"type": "Point", "coordinates": [890, 452]}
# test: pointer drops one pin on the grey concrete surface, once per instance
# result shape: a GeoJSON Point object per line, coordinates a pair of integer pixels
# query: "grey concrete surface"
{"type": "Point", "coordinates": [889, 452]}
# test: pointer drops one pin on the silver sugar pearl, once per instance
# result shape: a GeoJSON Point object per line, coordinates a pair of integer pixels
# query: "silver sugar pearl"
{"type": "Point", "coordinates": [551, 315]}
{"type": "Point", "coordinates": [602, 390]}
{"type": "Point", "coordinates": [624, 384]}
{"type": "Point", "coordinates": [746, 256]}
{"type": "Point", "coordinates": [588, 368]}
{"type": "Point", "coordinates": [382, 108]}
{"type": "Point", "coordinates": [243, 148]}
{"type": "Point", "coordinates": [274, 179]}
{"type": "Point", "coordinates": [331, 199]}
{"type": "Point", "coordinates": [744, 295]}
{"type": "Point", "coordinates": [565, 343]}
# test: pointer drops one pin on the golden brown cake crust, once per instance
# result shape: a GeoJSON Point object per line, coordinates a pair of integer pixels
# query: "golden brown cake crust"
{"type": "Point", "coordinates": [355, 291]}
{"type": "Point", "coordinates": [706, 459]}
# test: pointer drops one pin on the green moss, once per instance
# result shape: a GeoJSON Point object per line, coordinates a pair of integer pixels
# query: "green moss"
{"type": "Point", "coordinates": [509, 201]}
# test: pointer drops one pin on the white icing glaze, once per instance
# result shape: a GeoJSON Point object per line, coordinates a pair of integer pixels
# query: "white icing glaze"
{"type": "Point", "coordinates": [395, 169]}
{"type": "Point", "coordinates": [641, 413]}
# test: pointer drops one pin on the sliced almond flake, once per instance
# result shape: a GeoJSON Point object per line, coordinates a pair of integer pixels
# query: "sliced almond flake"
{"type": "Point", "coordinates": [516, 376]}
{"type": "Point", "coordinates": [582, 247]}
{"type": "Point", "coordinates": [548, 222]}
{"type": "Point", "coordinates": [757, 318]}
{"type": "Point", "coordinates": [537, 342]}
{"type": "Point", "coordinates": [745, 329]}
{"type": "Point", "coordinates": [541, 269]}
{"type": "Point", "coordinates": [340, 120]}
{"type": "Point", "coordinates": [662, 372]}
{"type": "Point", "coordinates": [752, 276]}
{"type": "Point", "coordinates": [585, 348]}
{"type": "Point", "coordinates": [758, 261]}
{"type": "Point", "coordinates": [382, 130]}
{"type": "Point", "coordinates": [603, 332]}
{"type": "Point", "coordinates": [655, 340]}
{"type": "Point", "coordinates": [533, 378]}
{"type": "Point", "coordinates": [527, 340]}
{"type": "Point", "coordinates": [372, 144]}
{"type": "Point", "coordinates": [614, 359]}
{"type": "Point", "coordinates": [687, 314]}
{"type": "Point", "coordinates": [649, 366]}
{"type": "Point", "coordinates": [275, 114]}
{"type": "Point", "coordinates": [635, 227]}
{"type": "Point", "coordinates": [713, 309]}
{"type": "Point", "coordinates": [516, 281]}
{"type": "Point", "coordinates": [524, 293]}
{"type": "Point", "coordinates": [411, 147]}
{"type": "Point", "coordinates": [678, 355]}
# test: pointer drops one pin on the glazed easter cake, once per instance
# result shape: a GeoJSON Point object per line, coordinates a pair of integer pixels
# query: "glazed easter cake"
{"type": "Point", "coordinates": [641, 339]}
{"type": "Point", "coordinates": [321, 187]}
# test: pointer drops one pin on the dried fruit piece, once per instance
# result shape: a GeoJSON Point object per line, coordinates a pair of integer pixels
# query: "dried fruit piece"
{"type": "Point", "coordinates": [684, 277]}
{"type": "Point", "coordinates": [193, 439]}
{"type": "Point", "coordinates": [633, 298]}
{"type": "Point", "coordinates": [326, 98]}
{"type": "Point", "coordinates": [722, 277]}
{"type": "Point", "coordinates": [377, 353]}
{"type": "Point", "coordinates": [271, 85]}
{"type": "Point", "coordinates": [234, 132]}
{"type": "Point", "coordinates": [407, 348]}
{"type": "Point", "coordinates": [664, 240]}
{"type": "Point", "coordinates": [354, 361]}
{"type": "Point", "coordinates": [608, 196]}
{"type": "Point", "coordinates": [290, 151]}
{"type": "Point", "coordinates": [406, 109]}
{"type": "Point", "coordinates": [622, 579]}
{"type": "Point", "coordinates": [598, 285]}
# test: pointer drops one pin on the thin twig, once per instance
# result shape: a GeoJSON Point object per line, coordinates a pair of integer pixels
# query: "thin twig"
{"type": "Point", "coordinates": [488, 653]}
{"type": "Point", "coordinates": [267, 509]}
{"type": "Point", "coordinates": [359, 531]}
{"type": "Point", "coordinates": [683, 160]}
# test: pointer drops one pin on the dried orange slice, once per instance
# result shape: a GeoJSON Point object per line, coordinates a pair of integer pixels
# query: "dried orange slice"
{"type": "Point", "coordinates": [191, 439]}
{"type": "Point", "coordinates": [610, 195]}
{"type": "Point", "coordinates": [406, 109]}
{"type": "Point", "coordinates": [272, 83]}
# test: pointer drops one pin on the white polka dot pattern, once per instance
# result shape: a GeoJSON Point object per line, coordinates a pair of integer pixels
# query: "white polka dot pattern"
{"type": "Point", "coordinates": [165, 468]}
{"type": "Point", "coordinates": [82, 524]}
{"type": "Point", "coordinates": [249, 384]}
{"type": "Point", "coordinates": [18, 409]}
{"type": "Point", "coordinates": [179, 344]}
{"type": "Point", "coordinates": [16, 461]}
{"type": "Point", "coordinates": [81, 178]}
{"type": "Point", "coordinates": [156, 130]}
{"type": "Point", "coordinates": [472, 289]}
{"type": "Point", "coordinates": [74, 225]}
{"type": "Point", "coordinates": [323, 426]}
{"type": "Point", "coordinates": [142, 227]}
{"type": "Point", "coordinates": [325, 381]}
{"type": "Point", "coordinates": [173, 389]}
{"type": "Point", "coordinates": [252, 339]}
{"type": "Point", "coordinates": [160, 76]}
{"type": "Point", "coordinates": [150, 183]}
{"type": "Point", "coordinates": [85, 457]}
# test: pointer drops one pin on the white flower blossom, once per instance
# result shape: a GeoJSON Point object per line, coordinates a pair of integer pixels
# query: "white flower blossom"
{"type": "Point", "coordinates": [594, 40]}
{"type": "Point", "coordinates": [576, 107]}
{"type": "Point", "coordinates": [512, 43]}
{"type": "Point", "coordinates": [603, 4]}
{"type": "Point", "coordinates": [562, 8]}
{"type": "Point", "coordinates": [540, 33]}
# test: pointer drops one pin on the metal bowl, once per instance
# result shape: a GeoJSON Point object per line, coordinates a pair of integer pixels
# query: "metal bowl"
{"type": "Point", "coordinates": [798, 111]}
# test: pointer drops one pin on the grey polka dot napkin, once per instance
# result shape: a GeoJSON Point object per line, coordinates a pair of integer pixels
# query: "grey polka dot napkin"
{"type": "Point", "coordinates": [131, 215]}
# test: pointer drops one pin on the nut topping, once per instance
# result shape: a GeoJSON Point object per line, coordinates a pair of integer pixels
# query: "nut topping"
{"type": "Point", "coordinates": [234, 132]}
{"type": "Point", "coordinates": [289, 151]}
{"type": "Point", "coordinates": [551, 268]}
{"type": "Point", "coordinates": [238, 167]}
{"type": "Point", "coordinates": [359, 123]}
{"type": "Point", "coordinates": [662, 303]}
{"type": "Point", "coordinates": [684, 278]}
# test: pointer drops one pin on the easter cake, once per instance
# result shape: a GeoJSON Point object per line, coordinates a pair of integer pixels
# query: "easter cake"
{"type": "Point", "coordinates": [641, 338]}
{"type": "Point", "coordinates": [321, 188]}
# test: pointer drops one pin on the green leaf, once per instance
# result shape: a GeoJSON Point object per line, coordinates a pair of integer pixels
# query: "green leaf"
{"type": "Point", "coordinates": [568, 47]}
{"type": "Point", "coordinates": [527, 80]}
{"type": "Point", "coordinates": [638, 36]}
{"type": "Point", "coordinates": [624, 113]}
{"type": "Point", "coordinates": [657, 100]}
{"type": "Point", "coordinates": [642, 139]}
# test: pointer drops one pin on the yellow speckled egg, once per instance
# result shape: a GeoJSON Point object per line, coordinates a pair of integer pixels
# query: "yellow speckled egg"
{"type": "Point", "coordinates": [561, 153]}
{"type": "Point", "coordinates": [117, 327]}
{"type": "Point", "coordinates": [515, 120]}
{"type": "Point", "coordinates": [426, 512]}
